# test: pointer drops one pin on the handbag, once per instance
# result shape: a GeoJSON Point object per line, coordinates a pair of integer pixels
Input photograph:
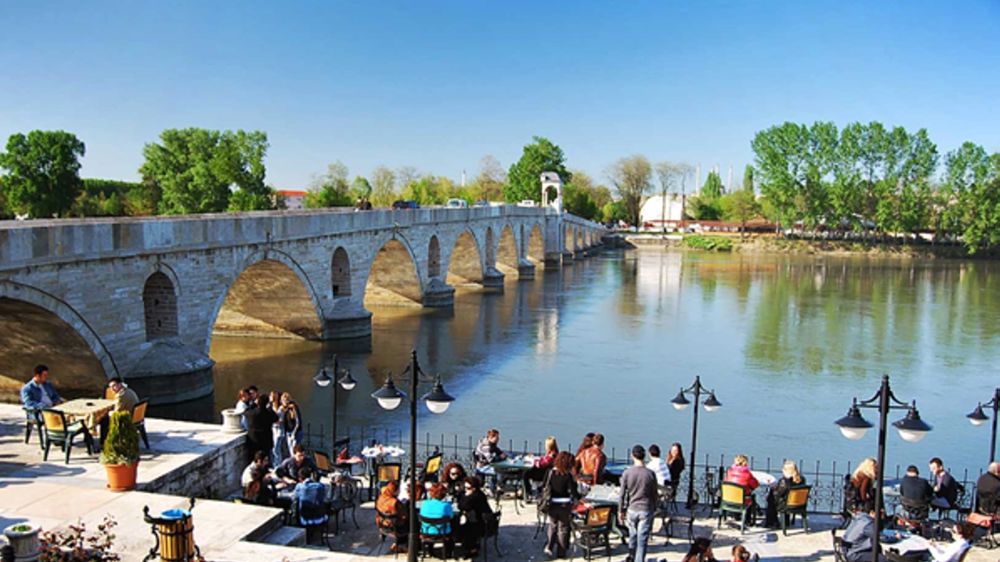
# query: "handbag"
{"type": "Point", "coordinates": [546, 499]}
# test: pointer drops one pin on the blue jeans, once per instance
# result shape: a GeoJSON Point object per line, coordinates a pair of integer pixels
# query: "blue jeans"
{"type": "Point", "coordinates": [640, 524]}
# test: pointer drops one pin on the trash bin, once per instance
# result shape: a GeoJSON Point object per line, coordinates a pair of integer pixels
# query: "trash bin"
{"type": "Point", "coordinates": [176, 528]}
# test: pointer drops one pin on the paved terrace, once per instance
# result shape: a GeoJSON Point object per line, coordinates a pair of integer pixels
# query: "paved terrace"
{"type": "Point", "coordinates": [54, 495]}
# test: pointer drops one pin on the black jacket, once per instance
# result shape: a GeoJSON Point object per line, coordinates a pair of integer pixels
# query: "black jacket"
{"type": "Point", "coordinates": [988, 493]}
{"type": "Point", "coordinates": [916, 490]}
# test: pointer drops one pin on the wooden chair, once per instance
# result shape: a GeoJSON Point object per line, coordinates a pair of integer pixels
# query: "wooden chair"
{"type": "Point", "coordinates": [734, 501]}
{"type": "Point", "coordinates": [33, 418]}
{"type": "Point", "coordinates": [322, 462]}
{"type": "Point", "coordinates": [109, 394]}
{"type": "Point", "coordinates": [594, 531]}
{"type": "Point", "coordinates": [139, 420]}
{"type": "Point", "coordinates": [796, 503]}
{"type": "Point", "coordinates": [58, 431]}
{"type": "Point", "coordinates": [441, 535]}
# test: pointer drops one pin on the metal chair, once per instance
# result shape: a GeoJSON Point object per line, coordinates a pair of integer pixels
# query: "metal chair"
{"type": "Point", "coordinates": [796, 503]}
{"type": "Point", "coordinates": [441, 536]}
{"type": "Point", "coordinates": [492, 531]}
{"type": "Point", "coordinates": [388, 526]}
{"type": "Point", "coordinates": [384, 473]}
{"type": "Point", "coordinates": [139, 420]}
{"type": "Point", "coordinates": [322, 462]}
{"type": "Point", "coordinates": [58, 431]}
{"type": "Point", "coordinates": [840, 547]}
{"type": "Point", "coordinates": [734, 501]}
{"type": "Point", "coordinates": [345, 497]}
{"type": "Point", "coordinates": [594, 531]}
{"type": "Point", "coordinates": [432, 468]}
{"type": "Point", "coordinates": [666, 508]}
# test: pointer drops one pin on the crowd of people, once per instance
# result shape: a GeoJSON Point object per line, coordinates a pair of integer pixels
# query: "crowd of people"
{"type": "Point", "coordinates": [273, 423]}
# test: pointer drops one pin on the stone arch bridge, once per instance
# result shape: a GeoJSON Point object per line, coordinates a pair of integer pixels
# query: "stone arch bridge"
{"type": "Point", "coordinates": [142, 296]}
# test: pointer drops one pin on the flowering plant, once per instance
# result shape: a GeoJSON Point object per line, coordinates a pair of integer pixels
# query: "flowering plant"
{"type": "Point", "coordinates": [75, 544]}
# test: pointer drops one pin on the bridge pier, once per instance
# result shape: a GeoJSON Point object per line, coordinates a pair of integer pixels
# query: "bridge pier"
{"type": "Point", "coordinates": [169, 372]}
{"type": "Point", "coordinates": [348, 321]}
{"type": "Point", "coordinates": [567, 256]}
{"type": "Point", "coordinates": [438, 294]}
{"type": "Point", "coordinates": [493, 280]}
{"type": "Point", "coordinates": [525, 270]}
{"type": "Point", "coordinates": [553, 259]}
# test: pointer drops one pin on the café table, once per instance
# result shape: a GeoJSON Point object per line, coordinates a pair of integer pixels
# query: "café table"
{"type": "Point", "coordinates": [613, 472]}
{"type": "Point", "coordinates": [509, 469]}
{"type": "Point", "coordinates": [764, 478]}
{"type": "Point", "coordinates": [905, 542]}
{"type": "Point", "coordinates": [90, 410]}
{"type": "Point", "coordinates": [375, 455]}
{"type": "Point", "coordinates": [605, 495]}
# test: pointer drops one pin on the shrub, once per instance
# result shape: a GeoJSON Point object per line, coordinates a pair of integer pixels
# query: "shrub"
{"type": "Point", "coordinates": [122, 443]}
{"type": "Point", "coordinates": [709, 243]}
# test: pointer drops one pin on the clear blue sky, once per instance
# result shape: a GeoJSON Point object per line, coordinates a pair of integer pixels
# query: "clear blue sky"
{"type": "Point", "coordinates": [437, 85]}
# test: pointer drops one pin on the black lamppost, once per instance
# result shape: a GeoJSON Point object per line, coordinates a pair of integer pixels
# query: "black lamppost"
{"type": "Point", "coordinates": [437, 400]}
{"type": "Point", "coordinates": [347, 383]}
{"type": "Point", "coordinates": [977, 417]}
{"type": "Point", "coordinates": [679, 403]}
{"type": "Point", "coordinates": [911, 429]}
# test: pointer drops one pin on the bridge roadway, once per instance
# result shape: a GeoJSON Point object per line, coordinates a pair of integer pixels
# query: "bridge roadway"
{"type": "Point", "coordinates": [144, 295]}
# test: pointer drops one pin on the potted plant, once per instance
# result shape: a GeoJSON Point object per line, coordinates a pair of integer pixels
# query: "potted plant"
{"type": "Point", "coordinates": [24, 538]}
{"type": "Point", "coordinates": [120, 455]}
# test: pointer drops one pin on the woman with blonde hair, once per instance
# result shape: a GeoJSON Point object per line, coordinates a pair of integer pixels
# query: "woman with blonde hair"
{"type": "Point", "coordinates": [292, 420]}
{"type": "Point", "coordinates": [777, 496]}
{"type": "Point", "coordinates": [861, 487]}
{"type": "Point", "coordinates": [541, 465]}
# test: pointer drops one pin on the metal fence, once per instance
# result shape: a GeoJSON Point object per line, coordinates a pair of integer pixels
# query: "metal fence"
{"type": "Point", "coordinates": [826, 478]}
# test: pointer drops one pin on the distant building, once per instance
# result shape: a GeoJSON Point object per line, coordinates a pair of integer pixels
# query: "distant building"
{"type": "Point", "coordinates": [294, 200]}
{"type": "Point", "coordinates": [657, 211]}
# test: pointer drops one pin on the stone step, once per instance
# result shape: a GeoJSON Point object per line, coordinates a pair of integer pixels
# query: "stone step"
{"type": "Point", "coordinates": [273, 524]}
{"type": "Point", "coordinates": [287, 536]}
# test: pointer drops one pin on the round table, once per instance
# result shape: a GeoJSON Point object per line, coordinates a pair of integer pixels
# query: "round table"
{"type": "Point", "coordinates": [764, 478]}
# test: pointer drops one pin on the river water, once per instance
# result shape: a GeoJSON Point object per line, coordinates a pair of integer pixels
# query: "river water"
{"type": "Point", "coordinates": [604, 344]}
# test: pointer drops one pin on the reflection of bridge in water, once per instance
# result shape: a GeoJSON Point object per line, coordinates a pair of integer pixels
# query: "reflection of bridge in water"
{"type": "Point", "coordinates": [141, 298]}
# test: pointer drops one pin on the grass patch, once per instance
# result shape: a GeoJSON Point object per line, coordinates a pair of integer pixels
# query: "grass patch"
{"type": "Point", "coordinates": [709, 243]}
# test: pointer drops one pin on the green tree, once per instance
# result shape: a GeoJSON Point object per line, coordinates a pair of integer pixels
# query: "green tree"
{"type": "Point", "coordinates": [614, 211]}
{"type": "Point", "coordinates": [430, 190]}
{"type": "Point", "coordinates": [330, 189]}
{"type": "Point", "coordinates": [713, 187]}
{"type": "Point", "coordinates": [632, 178]}
{"type": "Point", "coordinates": [360, 188]}
{"type": "Point", "coordinates": [43, 173]}
{"type": "Point", "coordinates": [739, 206]}
{"type": "Point", "coordinates": [383, 186]}
{"type": "Point", "coordinates": [524, 177]}
{"type": "Point", "coordinates": [707, 205]}
{"type": "Point", "coordinates": [198, 170]}
{"type": "Point", "coordinates": [972, 185]}
{"type": "Point", "coordinates": [748, 184]}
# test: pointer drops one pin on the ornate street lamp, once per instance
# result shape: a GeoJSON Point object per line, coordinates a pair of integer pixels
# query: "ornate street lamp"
{"type": "Point", "coordinates": [346, 382]}
{"type": "Point", "coordinates": [911, 429]}
{"type": "Point", "coordinates": [679, 403]}
{"type": "Point", "coordinates": [977, 417]}
{"type": "Point", "coordinates": [437, 401]}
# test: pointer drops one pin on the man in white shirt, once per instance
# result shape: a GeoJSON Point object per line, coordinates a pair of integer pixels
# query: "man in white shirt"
{"type": "Point", "coordinates": [657, 465]}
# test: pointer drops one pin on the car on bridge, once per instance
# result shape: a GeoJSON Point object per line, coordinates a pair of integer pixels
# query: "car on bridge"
{"type": "Point", "coordinates": [457, 204]}
{"type": "Point", "coordinates": [401, 204]}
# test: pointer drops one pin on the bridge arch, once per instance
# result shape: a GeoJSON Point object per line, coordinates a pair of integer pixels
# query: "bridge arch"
{"type": "Point", "coordinates": [534, 245]}
{"type": "Point", "coordinates": [20, 300]}
{"type": "Point", "coordinates": [340, 273]}
{"type": "Point", "coordinates": [507, 256]}
{"type": "Point", "coordinates": [465, 263]}
{"type": "Point", "coordinates": [268, 294]}
{"type": "Point", "coordinates": [394, 275]}
{"type": "Point", "coordinates": [159, 301]}
{"type": "Point", "coordinates": [434, 257]}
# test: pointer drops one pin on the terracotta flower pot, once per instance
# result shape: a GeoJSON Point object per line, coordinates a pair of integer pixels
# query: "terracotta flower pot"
{"type": "Point", "coordinates": [121, 477]}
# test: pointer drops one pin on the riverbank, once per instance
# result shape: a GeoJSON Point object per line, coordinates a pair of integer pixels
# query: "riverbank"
{"type": "Point", "coordinates": [771, 244]}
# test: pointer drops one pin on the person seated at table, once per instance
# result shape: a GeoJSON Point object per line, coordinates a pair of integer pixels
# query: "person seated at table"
{"type": "Point", "coordinates": [656, 464]}
{"type": "Point", "coordinates": [435, 507]}
{"type": "Point", "coordinates": [675, 463]}
{"type": "Point", "coordinates": [540, 466]}
{"type": "Point", "coordinates": [291, 471]}
{"type": "Point", "coordinates": [476, 509]}
{"type": "Point", "coordinates": [861, 487]}
{"type": "Point", "coordinates": [259, 491]}
{"type": "Point", "coordinates": [945, 486]}
{"type": "Point", "coordinates": [454, 479]}
{"type": "Point", "coordinates": [38, 393]}
{"type": "Point", "coordinates": [391, 514]}
{"type": "Point", "coordinates": [988, 490]}
{"type": "Point", "coordinates": [740, 553]}
{"type": "Point", "coordinates": [916, 491]}
{"type": "Point", "coordinates": [125, 397]}
{"type": "Point", "coordinates": [260, 460]}
{"type": "Point", "coordinates": [585, 443]}
{"type": "Point", "coordinates": [404, 491]}
{"type": "Point", "coordinates": [961, 535]}
{"type": "Point", "coordinates": [700, 551]}
{"type": "Point", "coordinates": [591, 462]}
{"type": "Point", "coordinates": [777, 495]}
{"type": "Point", "coordinates": [488, 450]}
{"type": "Point", "coordinates": [859, 534]}
{"type": "Point", "coordinates": [739, 473]}
{"type": "Point", "coordinates": [310, 499]}
{"type": "Point", "coordinates": [558, 495]}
